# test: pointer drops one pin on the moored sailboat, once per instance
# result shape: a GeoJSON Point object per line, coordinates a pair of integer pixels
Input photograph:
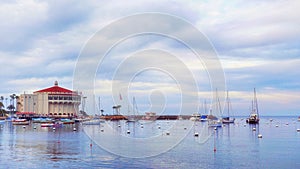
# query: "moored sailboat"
{"type": "Point", "coordinates": [214, 121]}
{"type": "Point", "coordinates": [254, 116]}
{"type": "Point", "coordinates": [227, 119]}
{"type": "Point", "coordinates": [134, 117]}
{"type": "Point", "coordinates": [203, 117]}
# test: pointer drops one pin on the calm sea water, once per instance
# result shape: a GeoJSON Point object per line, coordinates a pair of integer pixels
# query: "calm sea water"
{"type": "Point", "coordinates": [237, 145]}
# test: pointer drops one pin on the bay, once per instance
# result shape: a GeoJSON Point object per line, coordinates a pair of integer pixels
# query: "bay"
{"type": "Point", "coordinates": [237, 145]}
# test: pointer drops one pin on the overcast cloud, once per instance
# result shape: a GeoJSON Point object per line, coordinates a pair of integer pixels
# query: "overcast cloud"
{"type": "Point", "coordinates": [257, 43]}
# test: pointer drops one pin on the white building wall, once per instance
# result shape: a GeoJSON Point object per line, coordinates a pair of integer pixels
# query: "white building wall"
{"type": "Point", "coordinates": [26, 103]}
{"type": "Point", "coordinates": [39, 103]}
{"type": "Point", "coordinates": [42, 103]}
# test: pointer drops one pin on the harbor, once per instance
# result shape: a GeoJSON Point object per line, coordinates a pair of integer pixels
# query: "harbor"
{"type": "Point", "coordinates": [231, 146]}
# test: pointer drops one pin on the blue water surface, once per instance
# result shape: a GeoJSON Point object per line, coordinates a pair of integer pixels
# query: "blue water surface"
{"type": "Point", "coordinates": [237, 146]}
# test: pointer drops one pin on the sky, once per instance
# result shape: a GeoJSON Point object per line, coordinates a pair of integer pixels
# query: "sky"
{"type": "Point", "coordinates": [256, 42]}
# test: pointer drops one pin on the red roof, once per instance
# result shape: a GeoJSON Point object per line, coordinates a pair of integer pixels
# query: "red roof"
{"type": "Point", "coordinates": [55, 89]}
{"type": "Point", "coordinates": [24, 113]}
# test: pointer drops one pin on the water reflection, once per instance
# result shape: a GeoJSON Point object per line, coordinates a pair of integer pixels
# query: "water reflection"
{"type": "Point", "coordinates": [237, 146]}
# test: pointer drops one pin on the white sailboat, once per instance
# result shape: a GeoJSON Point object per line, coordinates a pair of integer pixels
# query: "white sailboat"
{"type": "Point", "coordinates": [97, 119]}
{"type": "Point", "coordinates": [254, 116]}
{"type": "Point", "coordinates": [133, 117]}
{"type": "Point", "coordinates": [204, 116]}
{"type": "Point", "coordinates": [214, 121]}
{"type": "Point", "coordinates": [227, 118]}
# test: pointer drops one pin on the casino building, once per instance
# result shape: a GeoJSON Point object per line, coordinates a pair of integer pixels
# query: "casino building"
{"type": "Point", "coordinates": [54, 101]}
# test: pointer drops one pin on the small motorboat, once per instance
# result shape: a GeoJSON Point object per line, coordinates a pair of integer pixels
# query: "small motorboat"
{"type": "Point", "coordinates": [20, 122]}
{"type": "Point", "coordinates": [47, 124]}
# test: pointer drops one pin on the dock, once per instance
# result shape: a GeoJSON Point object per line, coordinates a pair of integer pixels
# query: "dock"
{"type": "Point", "coordinates": [144, 117]}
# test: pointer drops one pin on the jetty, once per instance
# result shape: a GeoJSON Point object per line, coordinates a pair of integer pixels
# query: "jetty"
{"type": "Point", "coordinates": [144, 117]}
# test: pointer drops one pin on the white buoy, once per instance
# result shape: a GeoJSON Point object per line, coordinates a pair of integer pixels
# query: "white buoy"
{"type": "Point", "coordinates": [128, 131]}
{"type": "Point", "coordinates": [119, 125]}
{"type": "Point", "coordinates": [142, 126]}
{"type": "Point", "coordinates": [158, 127]}
{"type": "Point", "coordinates": [102, 130]}
{"type": "Point", "coordinates": [167, 133]}
{"type": "Point", "coordinates": [196, 134]}
{"type": "Point", "coordinates": [34, 127]}
{"type": "Point", "coordinates": [276, 125]}
{"type": "Point", "coordinates": [259, 136]}
{"type": "Point", "coordinates": [215, 128]}
{"type": "Point", "coordinates": [298, 130]}
{"type": "Point", "coordinates": [74, 129]}
{"type": "Point", "coordinates": [254, 129]}
{"type": "Point", "coordinates": [24, 127]}
{"type": "Point", "coordinates": [53, 128]}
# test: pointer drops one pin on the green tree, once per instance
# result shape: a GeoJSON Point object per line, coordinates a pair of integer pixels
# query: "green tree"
{"type": "Point", "coordinates": [2, 111]}
{"type": "Point", "coordinates": [11, 107]}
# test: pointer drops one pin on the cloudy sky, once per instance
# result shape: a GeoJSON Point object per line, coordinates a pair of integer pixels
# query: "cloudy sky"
{"type": "Point", "coordinates": [257, 43]}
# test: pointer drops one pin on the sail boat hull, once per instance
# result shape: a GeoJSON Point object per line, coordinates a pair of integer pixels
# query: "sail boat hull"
{"type": "Point", "coordinates": [227, 120]}
{"type": "Point", "coordinates": [253, 119]}
{"type": "Point", "coordinates": [215, 123]}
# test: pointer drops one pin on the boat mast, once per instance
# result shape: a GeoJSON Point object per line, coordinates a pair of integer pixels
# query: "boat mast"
{"type": "Point", "coordinates": [218, 103]}
{"type": "Point", "coordinates": [205, 107]}
{"type": "Point", "coordinates": [255, 102]}
{"type": "Point", "coordinates": [252, 107]}
{"type": "Point", "coordinates": [134, 107]}
{"type": "Point", "coordinates": [99, 106]}
{"type": "Point", "coordinates": [227, 104]}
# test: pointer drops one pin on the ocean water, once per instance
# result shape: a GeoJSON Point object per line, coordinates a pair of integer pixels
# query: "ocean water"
{"type": "Point", "coordinates": [158, 144]}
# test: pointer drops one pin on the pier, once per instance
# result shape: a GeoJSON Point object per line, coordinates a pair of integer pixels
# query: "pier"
{"type": "Point", "coordinates": [144, 117]}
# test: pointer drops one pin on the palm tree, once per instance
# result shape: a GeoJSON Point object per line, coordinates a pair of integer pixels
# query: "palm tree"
{"type": "Point", "coordinates": [13, 97]}
{"type": "Point", "coordinates": [11, 107]}
{"type": "Point", "coordinates": [1, 105]}
{"type": "Point", "coordinates": [116, 109]}
{"type": "Point", "coordinates": [2, 111]}
{"type": "Point", "coordinates": [6, 102]}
